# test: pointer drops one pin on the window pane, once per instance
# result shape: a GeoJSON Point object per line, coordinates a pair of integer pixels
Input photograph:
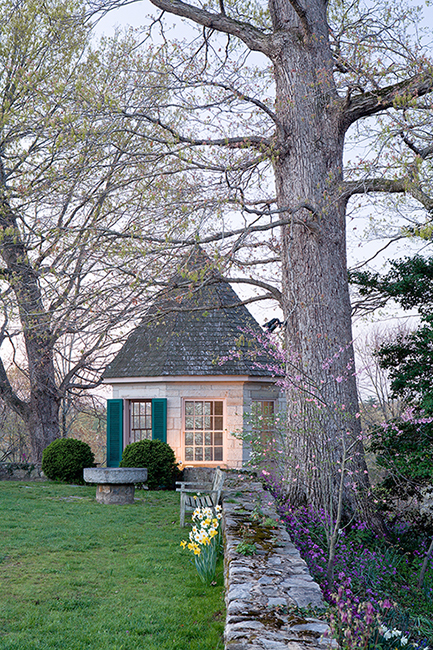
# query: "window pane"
{"type": "Point", "coordinates": [218, 408]}
{"type": "Point", "coordinates": [268, 408]}
{"type": "Point", "coordinates": [140, 420]}
{"type": "Point", "coordinates": [264, 410]}
{"type": "Point", "coordinates": [203, 435]}
{"type": "Point", "coordinates": [218, 438]}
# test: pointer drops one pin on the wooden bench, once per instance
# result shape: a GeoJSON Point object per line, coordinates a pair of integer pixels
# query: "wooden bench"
{"type": "Point", "coordinates": [199, 495]}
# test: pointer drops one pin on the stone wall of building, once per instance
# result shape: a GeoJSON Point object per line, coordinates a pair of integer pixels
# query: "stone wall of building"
{"type": "Point", "coordinates": [230, 392]}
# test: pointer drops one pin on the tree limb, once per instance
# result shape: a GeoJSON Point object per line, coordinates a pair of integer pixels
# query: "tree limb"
{"type": "Point", "coordinates": [302, 15]}
{"type": "Point", "coordinates": [233, 143]}
{"type": "Point", "coordinates": [224, 235]}
{"type": "Point", "coordinates": [422, 153]}
{"type": "Point", "coordinates": [9, 396]}
{"type": "Point", "coordinates": [375, 101]}
{"type": "Point", "coordinates": [390, 186]}
{"type": "Point", "coordinates": [250, 35]}
{"type": "Point", "coordinates": [248, 98]}
{"type": "Point", "coordinates": [276, 293]}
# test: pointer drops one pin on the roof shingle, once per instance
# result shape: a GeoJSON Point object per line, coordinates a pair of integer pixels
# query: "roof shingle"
{"type": "Point", "coordinates": [188, 332]}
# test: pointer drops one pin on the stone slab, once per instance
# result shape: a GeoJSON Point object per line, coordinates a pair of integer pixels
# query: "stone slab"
{"type": "Point", "coordinates": [261, 588]}
{"type": "Point", "coordinates": [113, 475]}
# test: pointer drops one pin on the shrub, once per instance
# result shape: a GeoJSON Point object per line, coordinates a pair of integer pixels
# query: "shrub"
{"type": "Point", "coordinates": [65, 458]}
{"type": "Point", "coordinates": [159, 459]}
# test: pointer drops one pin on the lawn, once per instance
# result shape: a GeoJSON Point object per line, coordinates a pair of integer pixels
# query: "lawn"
{"type": "Point", "coordinates": [79, 575]}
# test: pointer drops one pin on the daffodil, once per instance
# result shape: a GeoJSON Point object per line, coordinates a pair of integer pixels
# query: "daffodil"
{"type": "Point", "coordinates": [204, 541]}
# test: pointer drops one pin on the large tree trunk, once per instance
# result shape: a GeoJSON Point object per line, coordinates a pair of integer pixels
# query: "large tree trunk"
{"type": "Point", "coordinates": [308, 170]}
{"type": "Point", "coordinates": [41, 411]}
{"type": "Point", "coordinates": [43, 420]}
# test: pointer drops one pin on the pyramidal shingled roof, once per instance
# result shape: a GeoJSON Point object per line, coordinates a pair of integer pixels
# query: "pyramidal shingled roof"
{"type": "Point", "coordinates": [188, 331]}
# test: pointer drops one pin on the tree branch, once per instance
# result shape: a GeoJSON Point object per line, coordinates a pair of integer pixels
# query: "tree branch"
{"type": "Point", "coordinates": [375, 101]}
{"type": "Point", "coordinates": [12, 400]}
{"type": "Point", "coordinates": [390, 186]}
{"type": "Point", "coordinates": [232, 143]}
{"type": "Point", "coordinates": [250, 35]}
{"type": "Point", "coordinates": [302, 15]}
{"type": "Point", "coordinates": [224, 235]}
{"type": "Point", "coordinates": [422, 153]}
{"type": "Point", "coordinates": [276, 293]}
{"type": "Point", "coordinates": [248, 98]}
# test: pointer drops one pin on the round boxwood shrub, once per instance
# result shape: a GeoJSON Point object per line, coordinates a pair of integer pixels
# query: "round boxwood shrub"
{"type": "Point", "coordinates": [65, 458]}
{"type": "Point", "coordinates": [159, 459]}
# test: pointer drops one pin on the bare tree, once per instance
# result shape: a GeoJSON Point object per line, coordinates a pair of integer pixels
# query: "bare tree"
{"type": "Point", "coordinates": [375, 393]}
{"type": "Point", "coordinates": [75, 185]}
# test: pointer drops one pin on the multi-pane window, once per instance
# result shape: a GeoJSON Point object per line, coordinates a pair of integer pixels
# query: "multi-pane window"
{"type": "Point", "coordinates": [263, 414]}
{"type": "Point", "coordinates": [264, 407]}
{"type": "Point", "coordinates": [203, 430]}
{"type": "Point", "coordinates": [140, 420]}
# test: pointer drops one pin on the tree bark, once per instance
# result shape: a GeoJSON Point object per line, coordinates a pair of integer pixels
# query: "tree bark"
{"type": "Point", "coordinates": [309, 168]}
{"type": "Point", "coordinates": [41, 412]}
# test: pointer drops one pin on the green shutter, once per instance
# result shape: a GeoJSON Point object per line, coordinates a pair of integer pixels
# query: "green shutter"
{"type": "Point", "coordinates": [159, 419]}
{"type": "Point", "coordinates": [114, 432]}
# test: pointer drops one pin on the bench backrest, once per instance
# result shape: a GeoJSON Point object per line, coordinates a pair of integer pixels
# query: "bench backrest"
{"type": "Point", "coordinates": [217, 484]}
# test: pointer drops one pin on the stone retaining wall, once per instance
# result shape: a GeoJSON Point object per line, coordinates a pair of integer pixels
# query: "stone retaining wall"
{"type": "Point", "coordinates": [21, 472]}
{"type": "Point", "coordinates": [263, 590]}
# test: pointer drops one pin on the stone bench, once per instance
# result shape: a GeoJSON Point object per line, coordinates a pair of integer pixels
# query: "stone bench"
{"type": "Point", "coordinates": [116, 485]}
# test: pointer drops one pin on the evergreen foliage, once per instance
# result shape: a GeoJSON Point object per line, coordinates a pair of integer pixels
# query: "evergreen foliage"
{"type": "Point", "coordinates": [404, 447]}
{"type": "Point", "coordinates": [65, 458]}
{"type": "Point", "coordinates": [159, 459]}
{"type": "Point", "coordinates": [409, 282]}
{"type": "Point", "coordinates": [409, 357]}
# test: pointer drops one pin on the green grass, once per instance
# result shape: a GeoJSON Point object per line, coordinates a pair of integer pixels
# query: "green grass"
{"type": "Point", "coordinates": [78, 575]}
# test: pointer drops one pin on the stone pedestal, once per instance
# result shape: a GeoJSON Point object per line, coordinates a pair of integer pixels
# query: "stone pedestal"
{"type": "Point", "coordinates": [119, 494]}
{"type": "Point", "coordinates": [116, 485]}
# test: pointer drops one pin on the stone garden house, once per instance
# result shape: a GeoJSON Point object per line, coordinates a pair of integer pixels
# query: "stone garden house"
{"type": "Point", "coordinates": [189, 373]}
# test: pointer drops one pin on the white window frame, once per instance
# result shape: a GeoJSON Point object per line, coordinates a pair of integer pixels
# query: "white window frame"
{"type": "Point", "coordinates": [264, 431]}
{"type": "Point", "coordinates": [207, 463]}
{"type": "Point", "coordinates": [128, 418]}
